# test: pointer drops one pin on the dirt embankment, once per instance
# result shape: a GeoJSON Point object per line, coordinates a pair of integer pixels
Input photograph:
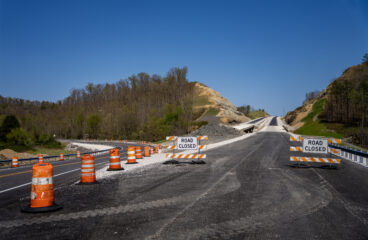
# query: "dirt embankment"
{"type": "Point", "coordinates": [211, 106]}
{"type": "Point", "coordinates": [7, 154]}
{"type": "Point", "coordinates": [294, 118]}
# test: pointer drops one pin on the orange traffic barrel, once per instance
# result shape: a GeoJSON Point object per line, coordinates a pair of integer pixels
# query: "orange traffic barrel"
{"type": "Point", "coordinates": [146, 151]}
{"type": "Point", "coordinates": [88, 170]}
{"type": "Point", "coordinates": [40, 158]}
{"type": "Point", "coordinates": [156, 149]}
{"type": "Point", "coordinates": [138, 152]}
{"type": "Point", "coordinates": [151, 148]}
{"type": "Point", "coordinates": [61, 157]}
{"type": "Point", "coordinates": [131, 155]}
{"type": "Point", "coordinates": [78, 154]}
{"type": "Point", "coordinates": [14, 162]}
{"type": "Point", "coordinates": [42, 190]}
{"type": "Point", "coordinates": [115, 164]}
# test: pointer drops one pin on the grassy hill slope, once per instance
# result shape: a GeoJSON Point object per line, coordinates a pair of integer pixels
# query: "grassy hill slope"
{"type": "Point", "coordinates": [340, 111]}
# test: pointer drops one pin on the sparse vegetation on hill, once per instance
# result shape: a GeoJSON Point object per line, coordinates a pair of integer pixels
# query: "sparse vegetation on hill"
{"type": "Point", "coordinates": [313, 126]}
{"type": "Point", "coordinates": [339, 111]}
{"type": "Point", "coordinates": [252, 113]}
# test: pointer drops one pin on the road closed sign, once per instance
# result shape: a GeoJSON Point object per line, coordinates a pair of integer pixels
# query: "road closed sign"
{"type": "Point", "coordinates": [315, 145]}
{"type": "Point", "coordinates": [187, 143]}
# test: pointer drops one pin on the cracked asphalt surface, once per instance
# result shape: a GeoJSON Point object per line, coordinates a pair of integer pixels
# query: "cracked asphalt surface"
{"type": "Point", "coordinates": [245, 191]}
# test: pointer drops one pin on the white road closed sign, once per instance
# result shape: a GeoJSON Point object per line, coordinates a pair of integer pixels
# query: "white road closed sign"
{"type": "Point", "coordinates": [315, 145]}
{"type": "Point", "coordinates": [187, 143]}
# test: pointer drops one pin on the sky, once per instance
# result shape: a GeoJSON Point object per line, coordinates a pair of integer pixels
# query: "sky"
{"type": "Point", "coordinates": [264, 53]}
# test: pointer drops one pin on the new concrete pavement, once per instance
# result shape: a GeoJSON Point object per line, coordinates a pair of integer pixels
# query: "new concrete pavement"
{"type": "Point", "coordinates": [247, 190]}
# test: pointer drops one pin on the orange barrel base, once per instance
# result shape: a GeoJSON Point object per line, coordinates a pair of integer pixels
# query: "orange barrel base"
{"type": "Point", "coordinates": [114, 169]}
{"type": "Point", "coordinates": [131, 162]}
{"type": "Point", "coordinates": [29, 209]}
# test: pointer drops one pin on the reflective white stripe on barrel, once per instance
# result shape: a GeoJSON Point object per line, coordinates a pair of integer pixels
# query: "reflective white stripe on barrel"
{"type": "Point", "coordinates": [87, 161]}
{"type": "Point", "coordinates": [114, 157]}
{"type": "Point", "coordinates": [42, 181]}
{"type": "Point", "coordinates": [88, 174]}
{"type": "Point", "coordinates": [117, 163]}
{"type": "Point", "coordinates": [88, 166]}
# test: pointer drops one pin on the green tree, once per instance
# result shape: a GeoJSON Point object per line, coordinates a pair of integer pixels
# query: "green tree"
{"type": "Point", "coordinates": [10, 122]}
{"type": "Point", "coordinates": [18, 137]}
{"type": "Point", "coordinates": [93, 125]}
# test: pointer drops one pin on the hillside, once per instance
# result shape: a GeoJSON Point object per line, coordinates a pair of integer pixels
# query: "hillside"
{"type": "Point", "coordinates": [210, 106]}
{"type": "Point", "coordinates": [143, 106]}
{"type": "Point", "coordinates": [339, 111]}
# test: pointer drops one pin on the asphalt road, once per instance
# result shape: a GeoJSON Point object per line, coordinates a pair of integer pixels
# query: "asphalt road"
{"type": "Point", "coordinates": [18, 180]}
{"type": "Point", "coordinates": [255, 120]}
{"type": "Point", "coordinates": [247, 190]}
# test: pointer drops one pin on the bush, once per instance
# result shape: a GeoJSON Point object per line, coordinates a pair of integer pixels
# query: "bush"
{"type": "Point", "coordinates": [47, 141]}
{"type": "Point", "coordinates": [10, 122]}
{"type": "Point", "coordinates": [19, 137]}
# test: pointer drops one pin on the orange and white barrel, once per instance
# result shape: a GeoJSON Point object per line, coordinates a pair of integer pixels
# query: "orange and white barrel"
{"type": "Point", "coordinates": [40, 158]}
{"type": "Point", "coordinates": [156, 149]}
{"type": "Point", "coordinates": [138, 152]}
{"type": "Point", "coordinates": [78, 154]}
{"type": "Point", "coordinates": [151, 148]}
{"type": "Point", "coordinates": [42, 191]}
{"type": "Point", "coordinates": [88, 169]}
{"type": "Point", "coordinates": [146, 151]}
{"type": "Point", "coordinates": [61, 158]}
{"type": "Point", "coordinates": [14, 162]}
{"type": "Point", "coordinates": [131, 155]}
{"type": "Point", "coordinates": [115, 164]}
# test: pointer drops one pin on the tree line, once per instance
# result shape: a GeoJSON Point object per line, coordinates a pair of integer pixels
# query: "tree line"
{"type": "Point", "coordinates": [140, 107]}
{"type": "Point", "coordinates": [347, 100]}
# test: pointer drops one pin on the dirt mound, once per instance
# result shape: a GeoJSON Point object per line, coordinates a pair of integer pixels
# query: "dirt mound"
{"type": "Point", "coordinates": [7, 154]}
{"type": "Point", "coordinates": [216, 133]}
{"type": "Point", "coordinates": [294, 118]}
{"type": "Point", "coordinates": [209, 99]}
{"type": "Point", "coordinates": [73, 147]}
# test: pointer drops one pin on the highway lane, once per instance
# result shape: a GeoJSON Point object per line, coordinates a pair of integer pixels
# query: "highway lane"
{"type": "Point", "coordinates": [19, 179]}
{"type": "Point", "coordinates": [255, 120]}
{"type": "Point", "coordinates": [247, 190]}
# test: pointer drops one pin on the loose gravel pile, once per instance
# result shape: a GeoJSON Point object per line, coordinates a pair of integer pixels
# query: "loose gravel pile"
{"type": "Point", "coordinates": [74, 147]}
{"type": "Point", "coordinates": [216, 132]}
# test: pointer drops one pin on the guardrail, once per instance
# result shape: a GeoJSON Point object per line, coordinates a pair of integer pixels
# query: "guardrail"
{"type": "Point", "coordinates": [353, 155]}
{"type": "Point", "coordinates": [56, 157]}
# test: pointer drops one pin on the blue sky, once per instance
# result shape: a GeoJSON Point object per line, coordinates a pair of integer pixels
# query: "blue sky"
{"type": "Point", "coordinates": [264, 53]}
